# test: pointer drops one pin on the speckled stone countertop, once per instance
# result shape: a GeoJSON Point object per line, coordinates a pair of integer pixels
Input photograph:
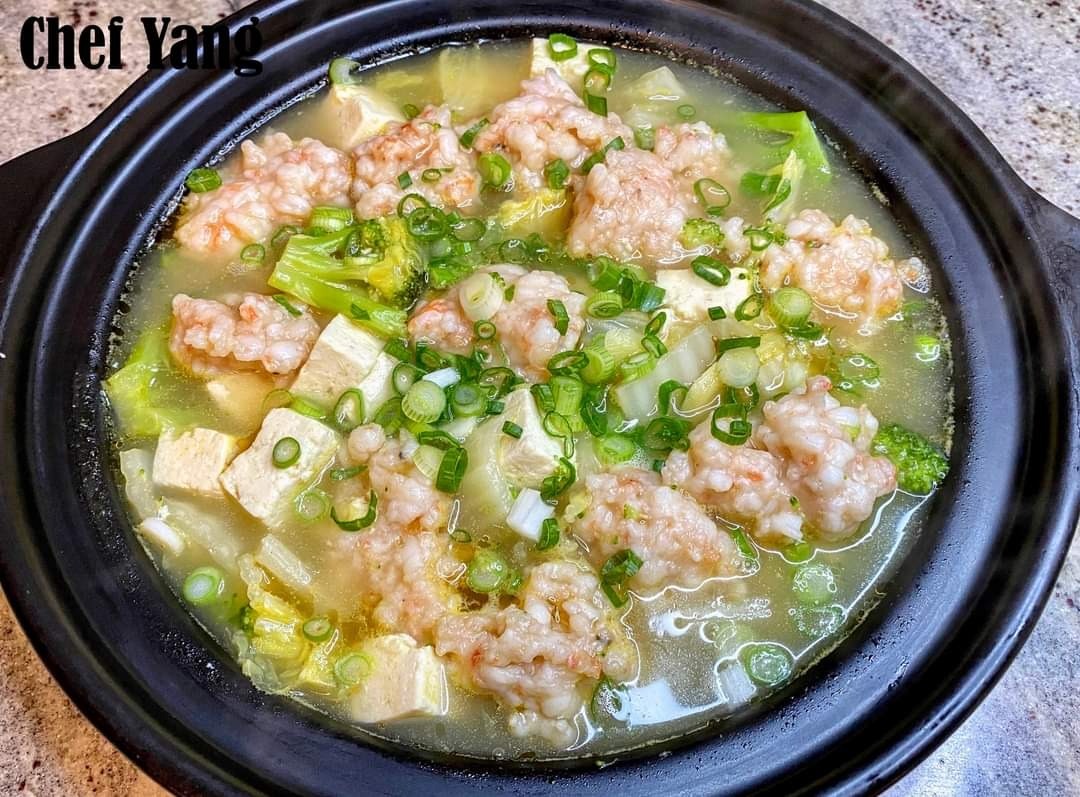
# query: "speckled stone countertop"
{"type": "Point", "coordinates": [1013, 65]}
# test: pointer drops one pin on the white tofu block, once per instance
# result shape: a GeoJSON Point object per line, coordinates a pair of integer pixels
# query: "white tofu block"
{"type": "Point", "coordinates": [266, 491]}
{"type": "Point", "coordinates": [359, 113]}
{"type": "Point", "coordinates": [572, 70]}
{"type": "Point", "coordinates": [240, 397]}
{"type": "Point", "coordinates": [688, 297]}
{"type": "Point", "coordinates": [342, 356]}
{"type": "Point", "coordinates": [405, 681]}
{"type": "Point", "coordinates": [378, 385]}
{"type": "Point", "coordinates": [189, 464]}
{"type": "Point", "coordinates": [528, 460]}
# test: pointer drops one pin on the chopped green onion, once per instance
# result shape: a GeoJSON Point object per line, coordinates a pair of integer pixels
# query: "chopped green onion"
{"type": "Point", "coordinates": [561, 47]}
{"type": "Point", "coordinates": [282, 235]}
{"type": "Point", "coordinates": [603, 273]}
{"type": "Point", "coordinates": [558, 482]}
{"type": "Point", "coordinates": [428, 358]}
{"type": "Point", "coordinates": [616, 571]}
{"type": "Point", "coordinates": [356, 524]}
{"type": "Point", "coordinates": [410, 203]}
{"type": "Point", "coordinates": [469, 136]}
{"type": "Point", "coordinates": [343, 71]}
{"type": "Point", "coordinates": [286, 305]}
{"type": "Point", "coordinates": [600, 154]}
{"type": "Point", "coordinates": [711, 270]}
{"type": "Point", "coordinates": [567, 392]}
{"type": "Point", "coordinates": [452, 470]}
{"type": "Point", "coordinates": [549, 534]}
{"type": "Point", "coordinates": [332, 219]}
{"type": "Point", "coordinates": [647, 297]}
{"type": "Point", "coordinates": [602, 58]}
{"type": "Point", "coordinates": [398, 349]}
{"type": "Point", "coordinates": [567, 362]}
{"type": "Point", "coordinates": [738, 367]}
{"type": "Point", "coordinates": [645, 137]}
{"type": "Point", "coordinates": [494, 169]}
{"type": "Point", "coordinates": [665, 434]}
{"type": "Point", "coordinates": [605, 304]}
{"type": "Point", "coordinates": [404, 180]}
{"type": "Point", "coordinates": [423, 402]}
{"type": "Point", "coordinates": [558, 312]}
{"type": "Point", "coordinates": [466, 400]}
{"type": "Point", "coordinates": [461, 536]}
{"type": "Point", "coordinates": [686, 111]}
{"type": "Point", "coordinates": [598, 105]}
{"type": "Point", "coordinates": [597, 81]}
{"type": "Point", "coordinates": [311, 505]}
{"type": "Point", "coordinates": [432, 175]}
{"type": "Point", "coordinates": [487, 571]}
{"type": "Point", "coordinates": [403, 377]}
{"type": "Point", "coordinates": [716, 313]}
{"type": "Point", "coordinates": [729, 424]}
{"type": "Point", "coordinates": [767, 663]}
{"type": "Point", "coordinates": [512, 429]}
{"type": "Point", "coordinates": [544, 396]}
{"type": "Point", "coordinates": [808, 331]}
{"type": "Point", "coordinates": [318, 629]}
{"type": "Point", "coordinates": [593, 411]}
{"type": "Point", "coordinates": [814, 583]}
{"type": "Point", "coordinates": [410, 110]}
{"type": "Point", "coordinates": [307, 409]}
{"type": "Point", "coordinates": [636, 366]}
{"type": "Point", "coordinates": [654, 346]}
{"type": "Point", "coordinates": [611, 449]}
{"type": "Point", "coordinates": [854, 372]}
{"type": "Point", "coordinates": [656, 324]}
{"type": "Point", "coordinates": [437, 438]}
{"type": "Point", "coordinates": [727, 344]}
{"type": "Point", "coordinates": [203, 585]}
{"type": "Point", "coordinates": [342, 474]}
{"type": "Point", "coordinates": [351, 669]}
{"type": "Point", "coordinates": [746, 548]}
{"type": "Point", "coordinates": [556, 173]}
{"type": "Point", "coordinates": [349, 411]}
{"type": "Point", "coordinates": [202, 180]}
{"type": "Point", "coordinates": [750, 307]}
{"type": "Point", "coordinates": [485, 330]}
{"type": "Point", "coordinates": [712, 195]}
{"type": "Point", "coordinates": [427, 223]}
{"type": "Point", "coordinates": [286, 452]}
{"type": "Point", "coordinates": [558, 425]}
{"type": "Point", "coordinates": [670, 395]}
{"type": "Point", "coordinates": [927, 348]}
{"type": "Point", "coordinates": [600, 365]}
{"type": "Point", "coordinates": [790, 307]}
{"type": "Point", "coordinates": [253, 253]}
{"type": "Point", "coordinates": [500, 378]}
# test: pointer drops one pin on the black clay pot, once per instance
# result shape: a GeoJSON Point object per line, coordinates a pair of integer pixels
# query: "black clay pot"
{"type": "Point", "coordinates": [77, 212]}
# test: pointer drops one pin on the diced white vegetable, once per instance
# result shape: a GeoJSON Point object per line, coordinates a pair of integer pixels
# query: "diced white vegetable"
{"type": "Point", "coordinates": [735, 685]}
{"type": "Point", "coordinates": [688, 297]}
{"type": "Point", "coordinates": [528, 514]}
{"type": "Point", "coordinates": [405, 681]}
{"type": "Point", "coordinates": [461, 428]}
{"type": "Point", "coordinates": [356, 113]}
{"type": "Point", "coordinates": [484, 494]}
{"type": "Point", "coordinates": [531, 458]}
{"type": "Point", "coordinates": [239, 397]}
{"type": "Point", "coordinates": [470, 86]}
{"type": "Point", "coordinates": [137, 465]}
{"type": "Point", "coordinates": [161, 535]}
{"type": "Point", "coordinates": [572, 70]}
{"type": "Point", "coordinates": [652, 99]}
{"type": "Point", "coordinates": [342, 356]}
{"type": "Point", "coordinates": [684, 363]}
{"type": "Point", "coordinates": [444, 377]}
{"type": "Point", "coordinates": [267, 491]}
{"type": "Point", "coordinates": [286, 566]}
{"type": "Point", "coordinates": [791, 171]}
{"type": "Point", "coordinates": [206, 528]}
{"type": "Point", "coordinates": [189, 464]}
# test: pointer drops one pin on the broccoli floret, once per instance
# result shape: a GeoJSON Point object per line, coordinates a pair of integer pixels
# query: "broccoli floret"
{"type": "Point", "coordinates": [134, 391]}
{"type": "Point", "coordinates": [920, 465]}
{"type": "Point", "coordinates": [701, 232]}
{"type": "Point", "coordinates": [309, 270]}
{"type": "Point", "coordinates": [389, 260]}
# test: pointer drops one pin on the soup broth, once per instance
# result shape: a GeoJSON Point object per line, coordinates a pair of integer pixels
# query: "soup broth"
{"type": "Point", "coordinates": [302, 601]}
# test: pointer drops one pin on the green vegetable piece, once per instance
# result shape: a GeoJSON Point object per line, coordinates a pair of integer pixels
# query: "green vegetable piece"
{"type": "Point", "coordinates": [767, 663]}
{"type": "Point", "coordinates": [920, 465]}
{"type": "Point", "coordinates": [814, 583]}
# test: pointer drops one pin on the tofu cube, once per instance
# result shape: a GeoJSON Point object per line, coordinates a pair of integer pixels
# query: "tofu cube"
{"type": "Point", "coordinates": [189, 464]}
{"type": "Point", "coordinates": [405, 681]}
{"type": "Point", "coordinates": [572, 70]}
{"type": "Point", "coordinates": [239, 397]}
{"type": "Point", "coordinates": [531, 458]}
{"type": "Point", "coordinates": [266, 491]}
{"type": "Point", "coordinates": [342, 356]}
{"type": "Point", "coordinates": [378, 385]}
{"type": "Point", "coordinates": [688, 297]}
{"type": "Point", "coordinates": [359, 113]}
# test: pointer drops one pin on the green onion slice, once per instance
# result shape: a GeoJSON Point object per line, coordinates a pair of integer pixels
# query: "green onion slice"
{"type": "Point", "coordinates": [404, 376]}
{"type": "Point", "coordinates": [716, 313]}
{"type": "Point", "coordinates": [686, 111]}
{"type": "Point", "coordinates": [494, 169]}
{"type": "Point", "coordinates": [253, 253]}
{"type": "Point", "coordinates": [404, 180]}
{"type": "Point", "coordinates": [452, 470]}
{"type": "Point", "coordinates": [349, 411]}
{"type": "Point", "coordinates": [351, 669]}
{"type": "Point", "coordinates": [203, 586]}
{"type": "Point", "coordinates": [286, 452]}
{"type": "Point", "coordinates": [485, 330]}
{"type": "Point", "coordinates": [311, 505]}
{"type": "Point", "coordinates": [549, 534]}
{"type": "Point", "coordinates": [561, 47]}
{"type": "Point", "coordinates": [556, 174]}
{"type": "Point", "coordinates": [602, 58]}
{"type": "Point", "coordinates": [318, 629]}
{"type": "Point", "coordinates": [362, 522]}
{"type": "Point", "coordinates": [487, 571]}
{"type": "Point", "coordinates": [636, 366]}
{"type": "Point", "coordinates": [727, 344]}
{"type": "Point", "coordinates": [467, 400]}
{"type": "Point", "coordinates": [469, 136]}
{"type": "Point", "coordinates": [343, 71]}
{"type": "Point", "coordinates": [611, 449]}
{"type": "Point", "coordinates": [558, 482]}
{"type": "Point", "coordinates": [409, 203]}
{"type": "Point", "coordinates": [750, 307]}
{"type": "Point", "coordinates": [567, 362]}
{"type": "Point", "coordinates": [423, 402]}
{"type": "Point", "coordinates": [558, 312]}
{"type": "Point", "coordinates": [512, 429]}
{"type": "Point", "coordinates": [712, 195]}
{"type": "Point", "coordinates": [286, 305]}
{"type": "Point", "coordinates": [605, 304]}
{"type": "Point", "coordinates": [711, 270]}
{"type": "Point", "coordinates": [790, 307]}
{"type": "Point", "coordinates": [343, 474]}
{"type": "Point", "coordinates": [729, 424]}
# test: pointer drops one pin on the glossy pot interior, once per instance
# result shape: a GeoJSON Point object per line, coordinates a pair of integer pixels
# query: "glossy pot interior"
{"type": "Point", "coordinates": [964, 600]}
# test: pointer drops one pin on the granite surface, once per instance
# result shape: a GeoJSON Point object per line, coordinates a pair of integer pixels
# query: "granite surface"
{"type": "Point", "coordinates": [1014, 66]}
